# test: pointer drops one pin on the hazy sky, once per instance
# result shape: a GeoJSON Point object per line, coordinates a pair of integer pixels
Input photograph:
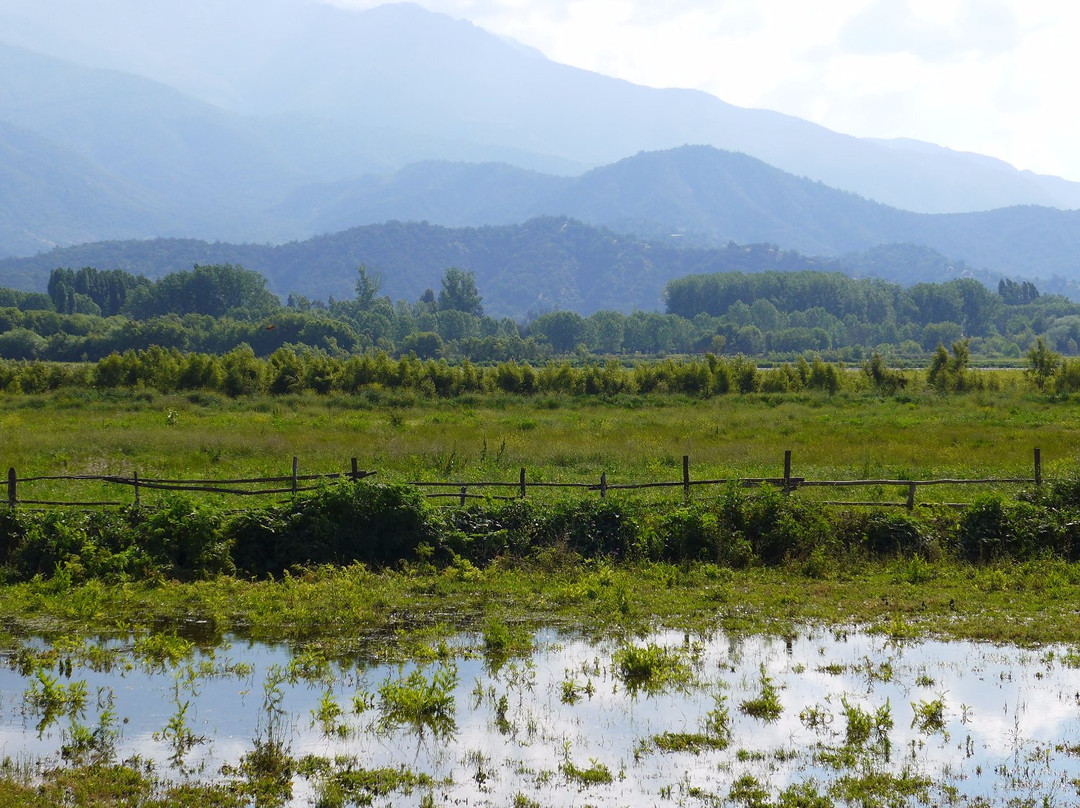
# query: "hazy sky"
{"type": "Point", "coordinates": [995, 77]}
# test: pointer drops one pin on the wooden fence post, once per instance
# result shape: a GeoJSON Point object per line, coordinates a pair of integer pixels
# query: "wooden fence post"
{"type": "Point", "coordinates": [11, 480]}
{"type": "Point", "coordinates": [355, 471]}
{"type": "Point", "coordinates": [464, 488]}
{"type": "Point", "coordinates": [521, 483]}
{"type": "Point", "coordinates": [603, 484]}
{"type": "Point", "coordinates": [295, 467]}
{"type": "Point", "coordinates": [686, 475]}
{"type": "Point", "coordinates": [787, 471]}
{"type": "Point", "coordinates": [135, 477]}
{"type": "Point", "coordinates": [911, 496]}
{"type": "Point", "coordinates": [1038, 466]}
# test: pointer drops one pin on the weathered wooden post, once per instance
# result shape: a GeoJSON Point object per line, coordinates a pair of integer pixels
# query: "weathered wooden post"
{"type": "Point", "coordinates": [521, 483]}
{"type": "Point", "coordinates": [911, 496]}
{"type": "Point", "coordinates": [686, 475]}
{"type": "Point", "coordinates": [1038, 466]}
{"type": "Point", "coordinates": [11, 481]}
{"type": "Point", "coordinates": [787, 471]}
{"type": "Point", "coordinates": [464, 489]}
{"type": "Point", "coordinates": [295, 468]}
{"type": "Point", "coordinates": [135, 478]}
{"type": "Point", "coordinates": [603, 484]}
{"type": "Point", "coordinates": [355, 471]}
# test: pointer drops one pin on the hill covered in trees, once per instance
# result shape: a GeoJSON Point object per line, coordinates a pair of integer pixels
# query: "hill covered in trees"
{"type": "Point", "coordinates": [543, 265]}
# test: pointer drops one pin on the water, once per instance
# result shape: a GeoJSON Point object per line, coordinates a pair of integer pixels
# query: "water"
{"type": "Point", "coordinates": [1008, 726]}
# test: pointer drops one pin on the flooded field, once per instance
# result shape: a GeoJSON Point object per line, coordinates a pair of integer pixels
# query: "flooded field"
{"type": "Point", "coordinates": [821, 717]}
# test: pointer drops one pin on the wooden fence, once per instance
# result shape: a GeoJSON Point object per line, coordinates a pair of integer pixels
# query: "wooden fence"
{"type": "Point", "coordinates": [464, 491]}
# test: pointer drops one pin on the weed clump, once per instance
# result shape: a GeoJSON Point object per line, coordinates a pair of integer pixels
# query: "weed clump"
{"type": "Point", "coordinates": [651, 668]}
{"type": "Point", "coordinates": [766, 705]}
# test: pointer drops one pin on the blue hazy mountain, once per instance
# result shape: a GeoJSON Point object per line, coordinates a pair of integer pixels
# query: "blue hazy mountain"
{"type": "Point", "coordinates": [453, 91]}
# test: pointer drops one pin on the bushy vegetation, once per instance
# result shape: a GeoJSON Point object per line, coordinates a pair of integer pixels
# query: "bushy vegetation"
{"type": "Point", "coordinates": [240, 372]}
{"type": "Point", "coordinates": [384, 526]}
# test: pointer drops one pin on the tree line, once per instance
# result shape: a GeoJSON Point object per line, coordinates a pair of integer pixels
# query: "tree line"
{"type": "Point", "coordinates": [88, 314]}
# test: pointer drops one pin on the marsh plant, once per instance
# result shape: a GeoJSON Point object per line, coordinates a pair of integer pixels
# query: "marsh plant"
{"type": "Point", "coordinates": [929, 715]}
{"type": "Point", "coordinates": [419, 701]}
{"type": "Point", "coordinates": [716, 733]}
{"type": "Point", "coordinates": [502, 641]}
{"type": "Point", "coordinates": [328, 714]}
{"type": "Point", "coordinates": [50, 699]}
{"type": "Point", "coordinates": [571, 690]}
{"type": "Point", "coordinates": [178, 733]}
{"type": "Point", "coordinates": [269, 766]}
{"type": "Point", "coordinates": [766, 705]}
{"type": "Point", "coordinates": [596, 773]}
{"type": "Point", "coordinates": [651, 668]}
{"type": "Point", "coordinates": [93, 746]}
{"type": "Point", "coordinates": [864, 726]}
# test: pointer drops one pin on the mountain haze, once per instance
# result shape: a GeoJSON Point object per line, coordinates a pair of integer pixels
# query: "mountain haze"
{"type": "Point", "coordinates": [703, 197]}
{"type": "Point", "coordinates": [229, 109]}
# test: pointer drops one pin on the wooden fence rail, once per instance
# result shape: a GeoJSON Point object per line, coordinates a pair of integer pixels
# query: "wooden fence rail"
{"type": "Point", "coordinates": [298, 483]}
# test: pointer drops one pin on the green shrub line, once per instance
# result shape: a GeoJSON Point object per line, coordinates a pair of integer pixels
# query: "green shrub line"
{"type": "Point", "coordinates": [386, 525]}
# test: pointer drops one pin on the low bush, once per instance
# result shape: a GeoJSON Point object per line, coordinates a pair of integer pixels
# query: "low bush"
{"type": "Point", "coordinates": [386, 525]}
{"type": "Point", "coordinates": [371, 523]}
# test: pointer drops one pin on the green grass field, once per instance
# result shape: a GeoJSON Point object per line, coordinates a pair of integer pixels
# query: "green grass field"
{"type": "Point", "coordinates": [566, 439]}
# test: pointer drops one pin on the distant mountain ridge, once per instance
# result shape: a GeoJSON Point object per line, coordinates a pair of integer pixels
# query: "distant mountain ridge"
{"type": "Point", "coordinates": [693, 197]}
{"type": "Point", "coordinates": [706, 198]}
{"type": "Point", "coordinates": [270, 121]}
{"type": "Point", "coordinates": [217, 116]}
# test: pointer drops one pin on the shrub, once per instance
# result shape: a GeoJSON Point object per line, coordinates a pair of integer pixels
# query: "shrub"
{"type": "Point", "coordinates": [881, 533]}
{"type": "Point", "coordinates": [597, 527]}
{"type": "Point", "coordinates": [185, 539]}
{"type": "Point", "coordinates": [993, 529]}
{"type": "Point", "coordinates": [340, 524]}
{"type": "Point", "coordinates": [699, 533]}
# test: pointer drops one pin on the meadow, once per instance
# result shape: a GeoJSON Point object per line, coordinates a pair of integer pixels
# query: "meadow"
{"type": "Point", "coordinates": [473, 600]}
{"type": "Point", "coordinates": [631, 438]}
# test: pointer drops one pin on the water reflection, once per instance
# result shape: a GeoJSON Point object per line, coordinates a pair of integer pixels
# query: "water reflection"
{"type": "Point", "coordinates": [575, 717]}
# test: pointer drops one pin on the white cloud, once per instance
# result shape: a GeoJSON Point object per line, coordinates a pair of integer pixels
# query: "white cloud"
{"type": "Point", "coordinates": [993, 76]}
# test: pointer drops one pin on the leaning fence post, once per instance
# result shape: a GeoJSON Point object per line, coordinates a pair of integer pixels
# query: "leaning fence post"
{"type": "Point", "coordinates": [521, 483]}
{"type": "Point", "coordinates": [686, 475]}
{"type": "Point", "coordinates": [911, 496]}
{"type": "Point", "coordinates": [135, 478]}
{"type": "Point", "coordinates": [1038, 466]}
{"type": "Point", "coordinates": [11, 480]}
{"type": "Point", "coordinates": [603, 484]}
{"type": "Point", "coordinates": [295, 467]}
{"type": "Point", "coordinates": [787, 470]}
{"type": "Point", "coordinates": [464, 488]}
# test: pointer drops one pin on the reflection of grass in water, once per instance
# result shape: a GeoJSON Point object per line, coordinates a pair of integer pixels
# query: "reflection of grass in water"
{"type": "Point", "coordinates": [716, 733]}
{"type": "Point", "coordinates": [854, 771]}
{"type": "Point", "coordinates": [345, 782]}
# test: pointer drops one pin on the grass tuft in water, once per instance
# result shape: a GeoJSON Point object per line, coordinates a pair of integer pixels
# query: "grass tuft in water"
{"type": "Point", "coordinates": [766, 705]}
{"type": "Point", "coordinates": [420, 702]}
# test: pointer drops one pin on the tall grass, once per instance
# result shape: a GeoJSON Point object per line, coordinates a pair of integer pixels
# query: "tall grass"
{"type": "Point", "coordinates": [555, 437]}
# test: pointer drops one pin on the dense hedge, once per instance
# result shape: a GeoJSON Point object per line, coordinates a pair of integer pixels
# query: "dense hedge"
{"type": "Point", "coordinates": [387, 525]}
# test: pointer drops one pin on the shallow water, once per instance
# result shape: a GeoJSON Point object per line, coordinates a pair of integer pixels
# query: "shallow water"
{"type": "Point", "coordinates": [1009, 724]}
